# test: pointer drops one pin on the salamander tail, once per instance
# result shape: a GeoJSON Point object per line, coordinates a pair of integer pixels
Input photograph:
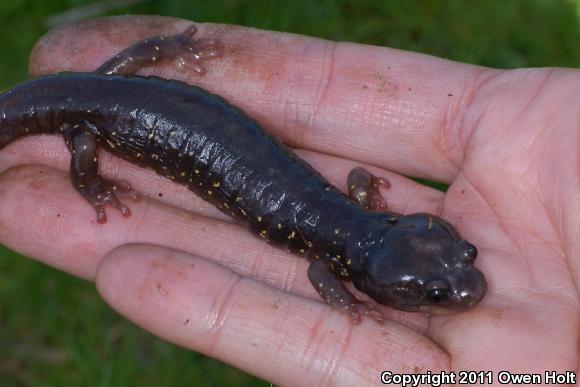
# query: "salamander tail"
{"type": "Point", "coordinates": [10, 132]}
{"type": "Point", "coordinates": [6, 134]}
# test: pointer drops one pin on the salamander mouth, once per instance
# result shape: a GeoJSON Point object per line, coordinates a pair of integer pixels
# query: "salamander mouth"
{"type": "Point", "coordinates": [431, 309]}
{"type": "Point", "coordinates": [438, 310]}
{"type": "Point", "coordinates": [456, 303]}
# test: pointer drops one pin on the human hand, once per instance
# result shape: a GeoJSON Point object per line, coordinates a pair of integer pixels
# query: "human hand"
{"type": "Point", "coordinates": [507, 142]}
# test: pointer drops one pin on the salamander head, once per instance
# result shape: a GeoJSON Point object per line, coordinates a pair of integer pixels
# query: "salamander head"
{"type": "Point", "coordinates": [422, 264]}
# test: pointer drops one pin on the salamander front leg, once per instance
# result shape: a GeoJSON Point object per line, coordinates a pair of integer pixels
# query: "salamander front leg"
{"type": "Point", "coordinates": [333, 291]}
{"type": "Point", "coordinates": [181, 49]}
{"type": "Point", "coordinates": [363, 187]}
{"type": "Point", "coordinates": [85, 175]}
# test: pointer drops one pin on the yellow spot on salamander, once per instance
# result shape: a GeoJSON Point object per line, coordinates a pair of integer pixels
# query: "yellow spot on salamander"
{"type": "Point", "coordinates": [263, 233]}
{"type": "Point", "coordinates": [216, 184]}
{"type": "Point", "coordinates": [196, 171]}
{"type": "Point", "coordinates": [182, 174]}
{"type": "Point", "coordinates": [239, 198]}
{"type": "Point", "coordinates": [292, 235]}
{"type": "Point", "coordinates": [259, 218]}
{"type": "Point", "coordinates": [337, 231]}
{"type": "Point", "coordinates": [301, 251]}
{"type": "Point", "coordinates": [209, 192]}
{"type": "Point", "coordinates": [111, 144]}
{"type": "Point", "coordinates": [279, 225]}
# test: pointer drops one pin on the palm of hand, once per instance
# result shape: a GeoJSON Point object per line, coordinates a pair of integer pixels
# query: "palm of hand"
{"type": "Point", "coordinates": [522, 173]}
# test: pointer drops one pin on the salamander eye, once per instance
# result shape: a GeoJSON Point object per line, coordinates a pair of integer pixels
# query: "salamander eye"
{"type": "Point", "coordinates": [437, 291]}
{"type": "Point", "coordinates": [470, 253]}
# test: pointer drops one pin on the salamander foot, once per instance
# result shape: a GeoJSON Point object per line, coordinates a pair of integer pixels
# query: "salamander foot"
{"type": "Point", "coordinates": [363, 187]}
{"type": "Point", "coordinates": [105, 192]}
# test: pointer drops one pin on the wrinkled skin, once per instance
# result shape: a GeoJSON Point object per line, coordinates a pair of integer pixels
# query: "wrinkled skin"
{"type": "Point", "coordinates": [507, 142]}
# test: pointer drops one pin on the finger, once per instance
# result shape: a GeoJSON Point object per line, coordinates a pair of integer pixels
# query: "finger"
{"type": "Point", "coordinates": [38, 206]}
{"type": "Point", "coordinates": [398, 110]}
{"type": "Point", "coordinates": [267, 332]}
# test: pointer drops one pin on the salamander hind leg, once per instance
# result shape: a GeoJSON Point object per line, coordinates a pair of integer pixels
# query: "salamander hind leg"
{"type": "Point", "coordinates": [363, 187]}
{"type": "Point", "coordinates": [181, 49]}
{"type": "Point", "coordinates": [85, 177]}
{"type": "Point", "coordinates": [333, 291]}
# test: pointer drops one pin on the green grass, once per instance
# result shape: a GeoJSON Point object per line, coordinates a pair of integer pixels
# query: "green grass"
{"type": "Point", "coordinates": [55, 330]}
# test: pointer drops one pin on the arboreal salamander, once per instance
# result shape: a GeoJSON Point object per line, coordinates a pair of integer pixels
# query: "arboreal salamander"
{"type": "Point", "coordinates": [416, 262]}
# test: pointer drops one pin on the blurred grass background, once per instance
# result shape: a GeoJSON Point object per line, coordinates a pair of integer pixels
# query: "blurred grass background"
{"type": "Point", "coordinates": [54, 329]}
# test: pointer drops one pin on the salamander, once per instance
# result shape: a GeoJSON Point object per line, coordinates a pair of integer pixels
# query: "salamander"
{"type": "Point", "coordinates": [415, 262]}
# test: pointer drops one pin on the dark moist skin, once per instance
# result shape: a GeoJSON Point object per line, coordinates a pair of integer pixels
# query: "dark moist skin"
{"type": "Point", "coordinates": [417, 262]}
